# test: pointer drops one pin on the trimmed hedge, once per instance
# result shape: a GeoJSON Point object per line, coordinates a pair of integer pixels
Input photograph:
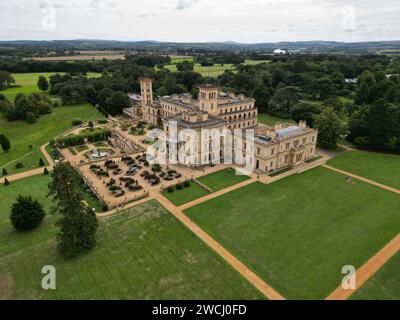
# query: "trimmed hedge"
{"type": "Point", "coordinates": [81, 138]}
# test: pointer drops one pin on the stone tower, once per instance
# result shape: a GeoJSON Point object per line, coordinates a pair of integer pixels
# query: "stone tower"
{"type": "Point", "coordinates": [146, 90]}
{"type": "Point", "coordinates": [208, 98]}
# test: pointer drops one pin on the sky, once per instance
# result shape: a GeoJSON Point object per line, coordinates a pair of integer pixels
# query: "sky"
{"type": "Point", "coordinates": [246, 21]}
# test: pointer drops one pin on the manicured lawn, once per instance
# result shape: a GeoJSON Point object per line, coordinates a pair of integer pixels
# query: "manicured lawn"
{"type": "Point", "coordinates": [37, 187]}
{"type": "Point", "coordinates": [380, 167]}
{"type": "Point", "coordinates": [222, 179]}
{"type": "Point", "coordinates": [298, 233]}
{"type": "Point", "coordinates": [27, 83]}
{"type": "Point", "coordinates": [384, 285]}
{"type": "Point", "coordinates": [270, 120]}
{"type": "Point", "coordinates": [179, 197]}
{"type": "Point", "coordinates": [11, 240]}
{"type": "Point", "coordinates": [142, 253]}
{"type": "Point", "coordinates": [22, 134]}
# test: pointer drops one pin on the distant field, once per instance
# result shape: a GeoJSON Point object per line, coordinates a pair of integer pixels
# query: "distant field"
{"type": "Point", "coordinates": [384, 285]}
{"type": "Point", "coordinates": [298, 233]}
{"type": "Point", "coordinates": [22, 134]}
{"type": "Point", "coordinates": [86, 55]}
{"type": "Point", "coordinates": [27, 83]}
{"type": "Point", "coordinates": [142, 253]}
{"type": "Point", "coordinates": [270, 120]}
{"type": "Point", "coordinates": [213, 71]}
{"type": "Point", "coordinates": [382, 168]}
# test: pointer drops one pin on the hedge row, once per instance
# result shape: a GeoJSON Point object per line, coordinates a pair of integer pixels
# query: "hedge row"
{"type": "Point", "coordinates": [78, 139]}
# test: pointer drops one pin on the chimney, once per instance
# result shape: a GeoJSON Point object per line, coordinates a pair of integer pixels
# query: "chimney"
{"type": "Point", "coordinates": [302, 124]}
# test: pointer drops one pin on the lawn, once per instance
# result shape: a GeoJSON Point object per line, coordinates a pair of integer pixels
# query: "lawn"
{"type": "Point", "coordinates": [270, 120]}
{"type": "Point", "coordinates": [27, 83]}
{"type": "Point", "coordinates": [222, 179]}
{"type": "Point", "coordinates": [10, 240]}
{"type": "Point", "coordinates": [298, 233]}
{"type": "Point", "coordinates": [36, 186]}
{"type": "Point", "coordinates": [379, 167]}
{"type": "Point", "coordinates": [22, 134]}
{"type": "Point", "coordinates": [187, 194]}
{"type": "Point", "coordinates": [384, 285]}
{"type": "Point", "coordinates": [142, 253]}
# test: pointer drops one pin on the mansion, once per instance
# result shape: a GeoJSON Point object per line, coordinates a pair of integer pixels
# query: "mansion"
{"type": "Point", "coordinates": [268, 149]}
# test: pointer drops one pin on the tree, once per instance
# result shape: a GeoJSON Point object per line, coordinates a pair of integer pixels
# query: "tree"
{"type": "Point", "coordinates": [363, 94]}
{"type": "Point", "coordinates": [305, 111]}
{"type": "Point", "coordinates": [335, 103]}
{"type": "Point", "coordinates": [330, 128]}
{"type": "Point", "coordinates": [41, 162]}
{"type": "Point", "coordinates": [6, 80]}
{"type": "Point", "coordinates": [42, 83]}
{"type": "Point", "coordinates": [5, 143]}
{"type": "Point", "coordinates": [5, 172]}
{"type": "Point", "coordinates": [26, 213]}
{"type": "Point", "coordinates": [185, 66]}
{"type": "Point", "coordinates": [78, 223]}
{"type": "Point", "coordinates": [6, 182]}
{"type": "Point", "coordinates": [284, 100]}
{"type": "Point", "coordinates": [45, 171]}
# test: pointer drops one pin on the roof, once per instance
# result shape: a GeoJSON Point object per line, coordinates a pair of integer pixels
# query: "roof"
{"type": "Point", "coordinates": [289, 131]}
{"type": "Point", "coordinates": [208, 86]}
{"type": "Point", "coordinates": [145, 79]}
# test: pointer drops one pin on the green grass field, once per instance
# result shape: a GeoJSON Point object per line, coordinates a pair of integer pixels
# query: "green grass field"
{"type": "Point", "coordinates": [11, 240]}
{"type": "Point", "coordinates": [213, 71]}
{"type": "Point", "coordinates": [270, 120]}
{"type": "Point", "coordinates": [22, 134]}
{"type": "Point", "coordinates": [142, 253]}
{"type": "Point", "coordinates": [384, 285]}
{"type": "Point", "coordinates": [27, 83]}
{"type": "Point", "coordinates": [222, 179]}
{"type": "Point", "coordinates": [379, 167]}
{"type": "Point", "coordinates": [298, 233]}
{"type": "Point", "coordinates": [179, 197]}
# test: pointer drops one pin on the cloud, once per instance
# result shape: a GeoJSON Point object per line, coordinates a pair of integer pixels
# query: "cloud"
{"type": "Point", "coordinates": [185, 4]}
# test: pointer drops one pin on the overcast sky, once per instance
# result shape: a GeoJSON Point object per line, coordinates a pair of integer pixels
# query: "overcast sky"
{"type": "Point", "coordinates": [201, 20]}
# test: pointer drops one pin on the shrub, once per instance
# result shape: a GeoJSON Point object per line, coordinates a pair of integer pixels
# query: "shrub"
{"type": "Point", "coordinates": [31, 117]}
{"type": "Point", "coordinates": [5, 172]}
{"type": "Point", "coordinates": [105, 207]}
{"type": "Point", "coordinates": [41, 162]}
{"type": "Point", "coordinates": [102, 121]}
{"type": "Point", "coordinates": [6, 182]}
{"type": "Point", "coordinates": [26, 213]}
{"type": "Point", "coordinates": [186, 183]}
{"type": "Point", "coordinates": [156, 168]}
{"type": "Point", "coordinates": [19, 165]}
{"type": "Point", "coordinates": [77, 122]}
{"type": "Point", "coordinates": [179, 186]}
{"type": "Point", "coordinates": [170, 189]}
{"type": "Point", "coordinates": [45, 171]}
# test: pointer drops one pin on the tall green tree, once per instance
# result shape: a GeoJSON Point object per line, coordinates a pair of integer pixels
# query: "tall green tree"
{"type": "Point", "coordinates": [43, 83]}
{"type": "Point", "coordinates": [5, 143]}
{"type": "Point", "coordinates": [330, 128]}
{"type": "Point", "coordinates": [78, 223]}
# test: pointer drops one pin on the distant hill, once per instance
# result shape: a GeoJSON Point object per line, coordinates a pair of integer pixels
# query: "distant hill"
{"type": "Point", "coordinates": [315, 46]}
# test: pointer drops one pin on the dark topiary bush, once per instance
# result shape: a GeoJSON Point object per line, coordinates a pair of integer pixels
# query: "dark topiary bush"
{"type": "Point", "coordinates": [170, 189]}
{"type": "Point", "coordinates": [26, 213]}
{"type": "Point", "coordinates": [5, 172]}
{"type": "Point", "coordinates": [186, 183]}
{"type": "Point", "coordinates": [45, 171]}
{"type": "Point", "coordinates": [6, 182]}
{"type": "Point", "coordinates": [179, 186]}
{"type": "Point", "coordinates": [41, 162]}
{"type": "Point", "coordinates": [19, 165]}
